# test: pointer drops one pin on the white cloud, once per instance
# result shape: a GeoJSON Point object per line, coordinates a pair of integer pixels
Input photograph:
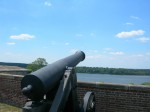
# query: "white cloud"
{"type": "Point", "coordinates": [137, 56]}
{"type": "Point", "coordinates": [79, 35]}
{"type": "Point", "coordinates": [135, 17]}
{"type": "Point", "coordinates": [94, 57]}
{"type": "Point", "coordinates": [67, 43]}
{"type": "Point", "coordinates": [73, 50]}
{"type": "Point", "coordinates": [130, 33]}
{"type": "Point", "coordinates": [108, 49]}
{"type": "Point", "coordinates": [47, 3]}
{"type": "Point", "coordinates": [53, 43]}
{"type": "Point", "coordinates": [92, 51]}
{"type": "Point", "coordinates": [10, 43]}
{"type": "Point", "coordinates": [22, 37]}
{"type": "Point", "coordinates": [148, 53]}
{"type": "Point", "coordinates": [92, 34]}
{"type": "Point", "coordinates": [129, 24]}
{"type": "Point", "coordinates": [45, 47]}
{"type": "Point", "coordinates": [95, 51]}
{"type": "Point", "coordinates": [143, 39]}
{"type": "Point", "coordinates": [117, 53]}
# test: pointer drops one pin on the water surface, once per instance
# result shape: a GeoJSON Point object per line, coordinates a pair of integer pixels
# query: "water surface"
{"type": "Point", "coordinates": [107, 78]}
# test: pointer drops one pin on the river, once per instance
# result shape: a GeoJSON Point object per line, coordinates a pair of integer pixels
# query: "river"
{"type": "Point", "coordinates": [118, 79]}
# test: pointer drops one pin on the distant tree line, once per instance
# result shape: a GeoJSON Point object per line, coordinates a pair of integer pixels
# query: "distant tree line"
{"type": "Point", "coordinates": [41, 62]}
{"type": "Point", "coordinates": [117, 71]}
{"type": "Point", "coordinates": [23, 65]}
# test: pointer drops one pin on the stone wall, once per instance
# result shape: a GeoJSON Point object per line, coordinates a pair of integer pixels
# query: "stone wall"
{"type": "Point", "coordinates": [109, 97]}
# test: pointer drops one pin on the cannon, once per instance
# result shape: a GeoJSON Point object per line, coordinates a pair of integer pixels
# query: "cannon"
{"type": "Point", "coordinates": [53, 88]}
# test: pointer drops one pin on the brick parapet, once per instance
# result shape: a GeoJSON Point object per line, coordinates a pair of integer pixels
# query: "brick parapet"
{"type": "Point", "coordinates": [10, 92]}
{"type": "Point", "coordinates": [109, 97]}
{"type": "Point", "coordinates": [117, 97]}
{"type": "Point", "coordinates": [111, 86]}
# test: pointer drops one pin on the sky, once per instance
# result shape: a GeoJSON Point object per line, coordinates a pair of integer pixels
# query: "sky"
{"type": "Point", "coordinates": [112, 33]}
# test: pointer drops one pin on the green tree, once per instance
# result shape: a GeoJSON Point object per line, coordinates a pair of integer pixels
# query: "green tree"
{"type": "Point", "coordinates": [37, 64]}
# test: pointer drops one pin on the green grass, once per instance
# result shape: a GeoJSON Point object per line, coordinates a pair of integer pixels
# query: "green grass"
{"type": "Point", "coordinates": [8, 108]}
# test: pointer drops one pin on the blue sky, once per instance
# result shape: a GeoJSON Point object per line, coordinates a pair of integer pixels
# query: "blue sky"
{"type": "Point", "coordinates": [112, 33]}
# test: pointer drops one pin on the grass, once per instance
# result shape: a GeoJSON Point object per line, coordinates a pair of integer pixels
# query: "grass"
{"type": "Point", "coordinates": [8, 108]}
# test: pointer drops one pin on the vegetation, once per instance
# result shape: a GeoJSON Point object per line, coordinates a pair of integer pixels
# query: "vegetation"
{"type": "Point", "coordinates": [131, 83]}
{"type": "Point", "coordinates": [37, 64]}
{"type": "Point", "coordinates": [116, 71]}
{"type": "Point", "coordinates": [146, 83]}
{"type": "Point", "coordinates": [8, 108]}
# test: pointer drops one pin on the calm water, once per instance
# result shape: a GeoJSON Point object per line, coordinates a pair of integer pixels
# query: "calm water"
{"type": "Point", "coordinates": [107, 78]}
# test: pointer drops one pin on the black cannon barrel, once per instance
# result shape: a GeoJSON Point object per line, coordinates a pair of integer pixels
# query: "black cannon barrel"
{"type": "Point", "coordinates": [38, 83]}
